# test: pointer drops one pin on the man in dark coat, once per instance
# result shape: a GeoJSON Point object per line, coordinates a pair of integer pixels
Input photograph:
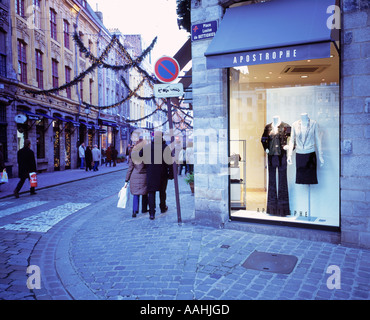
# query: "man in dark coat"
{"type": "Point", "coordinates": [26, 164]}
{"type": "Point", "coordinates": [158, 160]}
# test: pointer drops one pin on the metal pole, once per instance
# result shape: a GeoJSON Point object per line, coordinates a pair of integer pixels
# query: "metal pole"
{"type": "Point", "coordinates": [174, 162]}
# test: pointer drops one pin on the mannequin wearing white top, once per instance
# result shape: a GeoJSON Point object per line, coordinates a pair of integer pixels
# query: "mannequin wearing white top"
{"type": "Point", "coordinates": [304, 125]}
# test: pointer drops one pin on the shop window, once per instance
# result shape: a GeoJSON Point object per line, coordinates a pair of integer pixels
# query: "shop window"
{"type": "Point", "coordinates": [40, 138]}
{"type": "Point", "coordinates": [284, 143]}
{"type": "Point", "coordinates": [3, 126]}
{"type": "Point", "coordinates": [67, 145]}
{"type": "Point", "coordinates": [56, 140]}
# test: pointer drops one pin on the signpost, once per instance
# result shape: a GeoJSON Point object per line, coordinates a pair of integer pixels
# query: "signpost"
{"type": "Point", "coordinates": [167, 70]}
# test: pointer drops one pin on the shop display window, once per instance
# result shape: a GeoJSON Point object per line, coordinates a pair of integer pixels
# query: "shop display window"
{"type": "Point", "coordinates": [284, 142]}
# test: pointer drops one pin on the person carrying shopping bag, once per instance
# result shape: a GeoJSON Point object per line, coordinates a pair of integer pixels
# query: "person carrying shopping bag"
{"type": "Point", "coordinates": [136, 174]}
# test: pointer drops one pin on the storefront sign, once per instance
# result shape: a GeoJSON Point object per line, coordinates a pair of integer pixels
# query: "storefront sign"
{"type": "Point", "coordinates": [294, 53]}
{"type": "Point", "coordinates": [204, 30]}
{"type": "Point", "coordinates": [20, 118]}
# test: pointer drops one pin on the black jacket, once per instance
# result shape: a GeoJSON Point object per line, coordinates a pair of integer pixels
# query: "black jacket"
{"type": "Point", "coordinates": [282, 135]}
{"type": "Point", "coordinates": [159, 167]}
{"type": "Point", "coordinates": [26, 162]}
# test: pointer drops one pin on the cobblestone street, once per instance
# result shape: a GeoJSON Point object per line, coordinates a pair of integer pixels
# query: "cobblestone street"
{"type": "Point", "coordinates": [87, 248]}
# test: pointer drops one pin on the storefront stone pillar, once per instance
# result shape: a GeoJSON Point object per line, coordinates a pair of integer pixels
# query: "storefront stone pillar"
{"type": "Point", "coordinates": [210, 126]}
{"type": "Point", "coordinates": [355, 154]}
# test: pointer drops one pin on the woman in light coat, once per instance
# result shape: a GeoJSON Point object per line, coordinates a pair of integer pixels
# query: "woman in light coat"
{"type": "Point", "coordinates": [136, 174]}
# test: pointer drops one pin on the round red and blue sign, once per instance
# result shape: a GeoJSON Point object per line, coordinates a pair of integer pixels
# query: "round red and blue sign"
{"type": "Point", "coordinates": [166, 69]}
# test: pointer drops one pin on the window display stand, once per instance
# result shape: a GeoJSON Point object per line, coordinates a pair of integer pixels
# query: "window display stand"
{"type": "Point", "coordinates": [308, 216]}
{"type": "Point", "coordinates": [238, 174]}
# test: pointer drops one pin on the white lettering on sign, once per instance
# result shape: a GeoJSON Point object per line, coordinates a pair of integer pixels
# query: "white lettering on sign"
{"type": "Point", "coordinates": [265, 56]}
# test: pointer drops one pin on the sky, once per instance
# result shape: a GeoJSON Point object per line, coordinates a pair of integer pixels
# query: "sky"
{"type": "Point", "coordinates": [150, 18]}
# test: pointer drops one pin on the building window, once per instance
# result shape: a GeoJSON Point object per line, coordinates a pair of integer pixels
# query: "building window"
{"type": "Point", "coordinates": [66, 34]}
{"type": "Point", "coordinates": [284, 142]}
{"type": "Point", "coordinates": [54, 72]}
{"type": "Point", "coordinates": [22, 61]}
{"type": "Point", "coordinates": [2, 54]}
{"type": "Point", "coordinates": [81, 35]}
{"type": "Point", "coordinates": [39, 70]}
{"type": "Point", "coordinates": [53, 24]}
{"type": "Point", "coordinates": [82, 90]}
{"type": "Point", "coordinates": [68, 79]}
{"type": "Point", "coordinates": [37, 13]}
{"type": "Point", "coordinates": [19, 8]}
{"type": "Point", "coordinates": [91, 90]}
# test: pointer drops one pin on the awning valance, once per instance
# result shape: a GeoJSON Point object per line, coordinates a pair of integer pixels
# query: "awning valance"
{"type": "Point", "coordinates": [30, 115]}
{"type": "Point", "coordinates": [274, 31]}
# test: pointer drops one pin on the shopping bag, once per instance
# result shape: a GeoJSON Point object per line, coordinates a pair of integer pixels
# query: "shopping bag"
{"type": "Point", "coordinates": [33, 179]}
{"type": "Point", "coordinates": [4, 177]}
{"type": "Point", "coordinates": [123, 196]}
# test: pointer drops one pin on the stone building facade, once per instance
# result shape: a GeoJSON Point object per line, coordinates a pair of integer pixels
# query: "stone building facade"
{"type": "Point", "coordinates": [212, 91]}
{"type": "Point", "coordinates": [41, 54]}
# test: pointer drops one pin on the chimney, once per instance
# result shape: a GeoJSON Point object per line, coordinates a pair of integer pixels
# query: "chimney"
{"type": "Point", "coordinates": [99, 13]}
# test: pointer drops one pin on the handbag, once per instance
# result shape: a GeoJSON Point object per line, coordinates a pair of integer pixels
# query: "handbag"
{"type": "Point", "coordinates": [33, 179]}
{"type": "Point", "coordinates": [123, 196]}
{"type": "Point", "coordinates": [4, 177]}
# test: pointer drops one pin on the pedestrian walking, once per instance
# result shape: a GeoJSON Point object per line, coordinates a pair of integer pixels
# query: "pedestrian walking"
{"type": "Point", "coordinates": [158, 160]}
{"type": "Point", "coordinates": [81, 153]}
{"type": "Point", "coordinates": [182, 161]}
{"type": "Point", "coordinates": [26, 164]}
{"type": "Point", "coordinates": [88, 158]}
{"type": "Point", "coordinates": [136, 174]}
{"type": "Point", "coordinates": [108, 156]}
{"type": "Point", "coordinates": [114, 155]}
{"type": "Point", "coordinates": [190, 157]}
{"type": "Point", "coordinates": [96, 156]}
{"type": "Point", "coordinates": [128, 152]}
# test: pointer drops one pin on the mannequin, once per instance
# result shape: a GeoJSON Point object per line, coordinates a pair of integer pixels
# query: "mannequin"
{"type": "Point", "coordinates": [275, 143]}
{"type": "Point", "coordinates": [305, 139]}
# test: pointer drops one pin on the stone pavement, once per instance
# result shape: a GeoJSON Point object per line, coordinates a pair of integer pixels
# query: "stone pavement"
{"type": "Point", "coordinates": [102, 253]}
{"type": "Point", "coordinates": [49, 179]}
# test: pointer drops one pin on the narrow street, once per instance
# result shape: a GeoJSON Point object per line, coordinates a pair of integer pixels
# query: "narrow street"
{"type": "Point", "coordinates": [86, 248]}
{"type": "Point", "coordinates": [24, 221]}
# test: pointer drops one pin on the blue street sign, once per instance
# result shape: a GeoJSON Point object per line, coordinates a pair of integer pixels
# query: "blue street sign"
{"type": "Point", "coordinates": [203, 30]}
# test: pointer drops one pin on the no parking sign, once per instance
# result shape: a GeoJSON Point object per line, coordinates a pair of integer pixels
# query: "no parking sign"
{"type": "Point", "coordinates": [166, 69]}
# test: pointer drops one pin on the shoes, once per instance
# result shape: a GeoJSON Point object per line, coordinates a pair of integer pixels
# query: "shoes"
{"type": "Point", "coordinates": [32, 193]}
{"type": "Point", "coordinates": [134, 213]}
{"type": "Point", "coordinates": [164, 210]}
{"type": "Point", "coordinates": [144, 211]}
{"type": "Point", "coordinates": [16, 194]}
{"type": "Point", "coordinates": [151, 217]}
